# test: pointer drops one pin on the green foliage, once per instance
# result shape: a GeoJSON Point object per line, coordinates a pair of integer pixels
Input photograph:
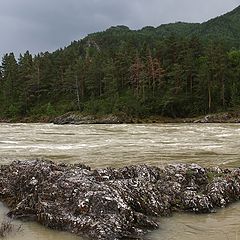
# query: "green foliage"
{"type": "Point", "coordinates": [50, 111]}
{"type": "Point", "coordinates": [98, 106]}
{"type": "Point", "coordinates": [44, 110]}
{"type": "Point", "coordinates": [213, 175]}
{"type": "Point", "coordinates": [12, 111]}
{"type": "Point", "coordinates": [129, 104]}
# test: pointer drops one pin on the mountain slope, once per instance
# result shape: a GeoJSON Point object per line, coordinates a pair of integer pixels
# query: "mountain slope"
{"type": "Point", "coordinates": [225, 27]}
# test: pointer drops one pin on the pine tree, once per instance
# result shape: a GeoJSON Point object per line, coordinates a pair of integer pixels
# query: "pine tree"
{"type": "Point", "coordinates": [9, 84]}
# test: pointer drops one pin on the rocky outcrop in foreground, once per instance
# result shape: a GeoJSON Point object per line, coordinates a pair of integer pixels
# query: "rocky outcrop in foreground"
{"type": "Point", "coordinates": [112, 203]}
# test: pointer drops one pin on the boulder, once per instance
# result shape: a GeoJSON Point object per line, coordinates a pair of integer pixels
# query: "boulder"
{"type": "Point", "coordinates": [227, 117]}
{"type": "Point", "coordinates": [78, 118]}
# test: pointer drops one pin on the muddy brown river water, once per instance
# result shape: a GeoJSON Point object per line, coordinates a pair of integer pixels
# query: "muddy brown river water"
{"type": "Point", "coordinates": [120, 145]}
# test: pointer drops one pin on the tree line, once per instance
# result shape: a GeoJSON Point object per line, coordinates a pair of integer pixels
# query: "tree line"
{"type": "Point", "coordinates": [115, 72]}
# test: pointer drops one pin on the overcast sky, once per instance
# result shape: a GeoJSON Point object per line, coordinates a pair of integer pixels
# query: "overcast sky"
{"type": "Point", "coordinates": [45, 25]}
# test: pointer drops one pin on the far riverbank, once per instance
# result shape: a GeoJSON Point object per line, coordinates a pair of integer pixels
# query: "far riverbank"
{"type": "Point", "coordinates": [83, 118]}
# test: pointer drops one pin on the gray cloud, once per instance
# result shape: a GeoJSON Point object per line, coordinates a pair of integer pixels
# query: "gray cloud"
{"type": "Point", "coordinates": [47, 25]}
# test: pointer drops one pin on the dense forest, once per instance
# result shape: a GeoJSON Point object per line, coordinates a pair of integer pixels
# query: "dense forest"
{"type": "Point", "coordinates": [175, 70]}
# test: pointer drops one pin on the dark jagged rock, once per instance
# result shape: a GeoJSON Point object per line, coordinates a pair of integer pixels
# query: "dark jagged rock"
{"type": "Point", "coordinates": [227, 117]}
{"type": "Point", "coordinates": [78, 118]}
{"type": "Point", "coordinates": [112, 203]}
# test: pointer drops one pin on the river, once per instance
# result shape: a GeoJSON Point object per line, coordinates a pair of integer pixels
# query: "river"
{"type": "Point", "coordinates": [120, 145]}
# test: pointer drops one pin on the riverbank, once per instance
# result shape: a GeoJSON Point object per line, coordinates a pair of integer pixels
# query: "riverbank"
{"type": "Point", "coordinates": [112, 203]}
{"type": "Point", "coordinates": [29, 119]}
{"type": "Point", "coordinates": [78, 118]}
{"type": "Point", "coordinates": [83, 118]}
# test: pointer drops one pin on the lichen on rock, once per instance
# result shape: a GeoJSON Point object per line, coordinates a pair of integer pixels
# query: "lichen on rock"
{"type": "Point", "coordinates": [111, 203]}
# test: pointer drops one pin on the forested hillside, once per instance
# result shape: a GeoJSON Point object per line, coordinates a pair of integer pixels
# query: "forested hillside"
{"type": "Point", "coordinates": [175, 70]}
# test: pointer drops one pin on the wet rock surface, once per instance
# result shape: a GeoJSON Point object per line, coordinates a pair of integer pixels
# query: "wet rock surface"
{"type": "Point", "coordinates": [112, 203]}
{"type": "Point", "coordinates": [227, 117]}
{"type": "Point", "coordinates": [78, 118]}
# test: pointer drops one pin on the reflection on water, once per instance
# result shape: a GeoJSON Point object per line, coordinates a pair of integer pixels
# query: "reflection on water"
{"type": "Point", "coordinates": [119, 145]}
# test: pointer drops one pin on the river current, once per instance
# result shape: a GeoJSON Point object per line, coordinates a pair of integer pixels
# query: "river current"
{"type": "Point", "coordinates": [119, 145]}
